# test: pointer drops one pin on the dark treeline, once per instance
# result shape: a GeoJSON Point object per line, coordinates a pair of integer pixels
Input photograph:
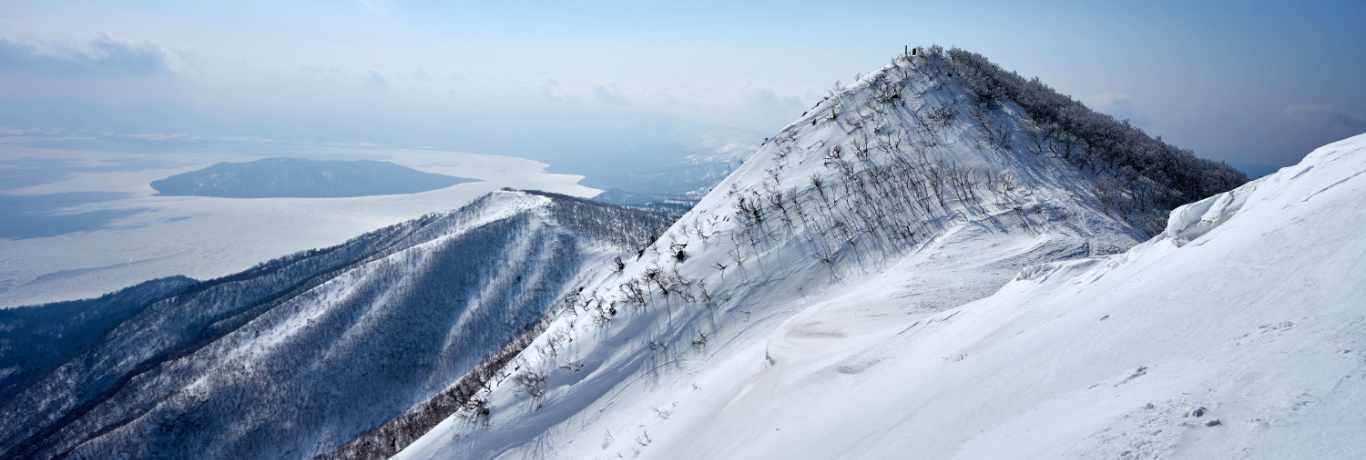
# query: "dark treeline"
{"type": "Point", "coordinates": [1152, 175]}
{"type": "Point", "coordinates": [38, 338]}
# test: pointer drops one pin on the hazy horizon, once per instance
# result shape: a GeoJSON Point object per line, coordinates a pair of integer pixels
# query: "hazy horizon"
{"type": "Point", "coordinates": [629, 85]}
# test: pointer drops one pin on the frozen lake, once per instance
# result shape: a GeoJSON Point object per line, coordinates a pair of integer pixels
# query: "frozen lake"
{"type": "Point", "coordinates": [81, 223]}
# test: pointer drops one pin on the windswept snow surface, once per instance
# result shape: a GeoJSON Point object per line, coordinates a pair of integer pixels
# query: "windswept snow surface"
{"type": "Point", "coordinates": [816, 303]}
{"type": "Point", "coordinates": [1236, 333]}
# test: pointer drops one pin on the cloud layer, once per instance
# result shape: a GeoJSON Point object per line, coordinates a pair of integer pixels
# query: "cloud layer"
{"type": "Point", "coordinates": [102, 56]}
{"type": "Point", "coordinates": [1339, 117]}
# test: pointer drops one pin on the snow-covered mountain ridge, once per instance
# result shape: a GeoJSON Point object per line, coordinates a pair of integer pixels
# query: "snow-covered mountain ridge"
{"type": "Point", "coordinates": [299, 355]}
{"type": "Point", "coordinates": [808, 305]}
{"type": "Point", "coordinates": [941, 259]}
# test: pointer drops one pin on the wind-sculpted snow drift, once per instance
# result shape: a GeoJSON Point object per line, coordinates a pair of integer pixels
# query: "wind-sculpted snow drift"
{"type": "Point", "coordinates": [916, 270]}
{"type": "Point", "coordinates": [299, 355]}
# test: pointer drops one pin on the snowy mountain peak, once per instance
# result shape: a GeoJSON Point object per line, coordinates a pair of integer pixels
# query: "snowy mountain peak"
{"type": "Point", "coordinates": [956, 108]}
{"type": "Point", "coordinates": [884, 209]}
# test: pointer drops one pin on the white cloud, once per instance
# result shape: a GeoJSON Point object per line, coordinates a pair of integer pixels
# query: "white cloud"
{"type": "Point", "coordinates": [101, 56]}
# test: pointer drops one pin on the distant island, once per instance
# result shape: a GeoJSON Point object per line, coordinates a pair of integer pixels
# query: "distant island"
{"type": "Point", "coordinates": [303, 178]}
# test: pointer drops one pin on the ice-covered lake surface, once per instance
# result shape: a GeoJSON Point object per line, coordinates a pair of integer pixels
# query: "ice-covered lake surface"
{"type": "Point", "coordinates": [81, 223]}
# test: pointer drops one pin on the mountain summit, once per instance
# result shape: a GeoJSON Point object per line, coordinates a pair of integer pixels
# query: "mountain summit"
{"type": "Point", "coordinates": [839, 259]}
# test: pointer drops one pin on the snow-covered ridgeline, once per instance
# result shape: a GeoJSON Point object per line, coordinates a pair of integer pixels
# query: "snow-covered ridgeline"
{"type": "Point", "coordinates": [271, 361]}
{"type": "Point", "coordinates": [884, 207]}
{"type": "Point", "coordinates": [1235, 332]}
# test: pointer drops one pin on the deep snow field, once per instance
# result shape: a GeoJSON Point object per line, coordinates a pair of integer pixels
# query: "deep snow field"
{"type": "Point", "coordinates": [203, 237]}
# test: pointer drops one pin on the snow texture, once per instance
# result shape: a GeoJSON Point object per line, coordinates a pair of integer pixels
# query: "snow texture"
{"type": "Point", "coordinates": [1005, 321]}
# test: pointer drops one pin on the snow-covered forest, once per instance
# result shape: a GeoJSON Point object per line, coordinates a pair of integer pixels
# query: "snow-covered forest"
{"type": "Point", "coordinates": [300, 354]}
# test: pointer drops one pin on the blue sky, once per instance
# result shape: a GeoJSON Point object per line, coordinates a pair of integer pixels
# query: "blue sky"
{"type": "Point", "coordinates": [1252, 83]}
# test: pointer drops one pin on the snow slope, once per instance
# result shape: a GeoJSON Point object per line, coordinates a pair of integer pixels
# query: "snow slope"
{"type": "Point", "coordinates": [912, 273]}
{"type": "Point", "coordinates": [1249, 306]}
{"type": "Point", "coordinates": [1236, 333]}
{"type": "Point", "coordinates": [301, 354]}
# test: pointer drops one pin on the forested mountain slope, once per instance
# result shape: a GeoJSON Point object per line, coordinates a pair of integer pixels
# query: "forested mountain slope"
{"type": "Point", "coordinates": [298, 355]}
